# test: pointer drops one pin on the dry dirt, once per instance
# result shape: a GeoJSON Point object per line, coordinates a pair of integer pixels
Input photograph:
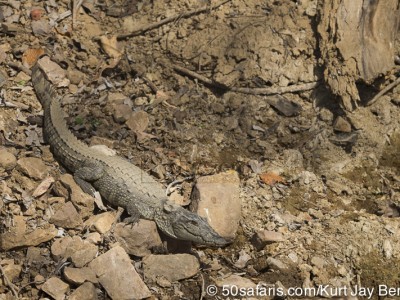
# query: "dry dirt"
{"type": "Point", "coordinates": [339, 190]}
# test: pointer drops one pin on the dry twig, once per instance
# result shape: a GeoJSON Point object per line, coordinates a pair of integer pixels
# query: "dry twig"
{"type": "Point", "coordinates": [175, 182]}
{"type": "Point", "coordinates": [19, 66]}
{"type": "Point", "coordinates": [9, 283]}
{"type": "Point", "coordinates": [75, 9]}
{"type": "Point", "coordinates": [252, 91]}
{"type": "Point", "coordinates": [168, 20]}
{"type": "Point", "coordinates": [384, 91]}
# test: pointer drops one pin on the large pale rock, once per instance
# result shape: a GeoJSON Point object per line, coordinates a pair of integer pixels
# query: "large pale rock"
{"type": "Point", "coordinates": [138, 239]}
{"type": "Point", "coordinates": [32, 167]}
{"type": "Point", "coordinates": [216, 198]}
{"type": "Point", "coordinates": [172, 267]}
{"type": "Point", "coordinates": [67, 216]}
{"type": "Point", "coordinates": [21, 236]}
{"type": "Point", "coordinates": [56, 288]}
{"type": "Point", "coordinates": [118, 276]}
{"type": "Point", "coordinates": [80, 252]}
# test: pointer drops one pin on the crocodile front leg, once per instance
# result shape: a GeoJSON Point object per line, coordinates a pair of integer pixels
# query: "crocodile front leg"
{"type": "Point", "coordinates": [88, 173]}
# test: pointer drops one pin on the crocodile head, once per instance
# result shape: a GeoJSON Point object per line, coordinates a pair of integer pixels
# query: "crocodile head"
{"type": "Point", "coordinates": [179, 223]}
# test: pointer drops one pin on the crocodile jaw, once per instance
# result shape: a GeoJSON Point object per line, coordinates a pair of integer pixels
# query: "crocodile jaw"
{"type": "Point", "coordinates": [183, 224]}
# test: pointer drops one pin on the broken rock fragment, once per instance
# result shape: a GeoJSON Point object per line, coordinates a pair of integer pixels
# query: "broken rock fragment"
{"type": "Point", "coordinates": [78, 251]}
{"type": "Point", "coordinates": [32, 167]}
{"type": "Point", "coordinates": [263, 237]}
{"type": "Point", "coordinates": [67, 216]}
{"type": "Point", "coordinates": [79, 275]}
{"type": "Point", "coordinates": [138, 239]}
{"type": "Point", "coordinates": [56, 288]}
{"type": "Point", "coordinates": [171, 267]}
{"type": "Point", "coordinates": [21, 236]}
{"type": "Point", "coordinates": [118, 276]}
{"type": "Point", "coordinates": [86, 291]}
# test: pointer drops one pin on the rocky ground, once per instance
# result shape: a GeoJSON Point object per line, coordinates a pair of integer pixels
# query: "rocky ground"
{"type": "Point", "coordinates": [309, 193]}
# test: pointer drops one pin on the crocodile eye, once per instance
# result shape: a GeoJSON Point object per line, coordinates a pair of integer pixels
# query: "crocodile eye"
{"type": "Point", "coordinates": [192, 222]}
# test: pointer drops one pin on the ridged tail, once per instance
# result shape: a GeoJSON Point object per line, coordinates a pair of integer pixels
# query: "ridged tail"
{"type": "Point", "coordinates": [43, 87]}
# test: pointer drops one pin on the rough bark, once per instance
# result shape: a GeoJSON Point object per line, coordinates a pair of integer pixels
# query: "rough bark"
{"type": "Point", "coordinates": [356, 43]}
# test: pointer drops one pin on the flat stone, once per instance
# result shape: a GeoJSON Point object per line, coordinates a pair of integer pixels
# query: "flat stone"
{"type": "Point", "coordinates": [243, 259]}
{"type": "Point", "coordinates": [326, 115]}
{"type": "Point", "coordinates": [116, 98]}
{"type": "Point", "coordinates": [101, 222]}
{"type": "Point", "coordinates": [67, 187]}
{"type": "Point", "coordinates": [56, 288]}
{"type": "Point", "coordinates": [8, 160]}
{"type": "Point", "coordinates": [93, 61]}
{"type": "Point", "coordinates": [118, 276]}
{"type": "Point", "coordinates": [163, 282]}
{"type": "Point", "coordinates": [138, 121]}
{"type": "Point", "coordinates": [276, 264]}
{"type": "Point", "coordinates": [75, 76]}
{"type": "Point", "coordinates": [138, 239]}
{"type": "Point", "coordinates": [32, 167]}
{"type": "Point", "coordinates": [84, 254]}
{"type": "Point", "coordinates": [10, 269]}
{"type": "Point", "coordinates": [86, 291]}
{"type": "Point", "coordinates": [341, 125]}
{"type": "Point", "coordinates": [172, 267]}
{"type": "Point", "coordinates": [34, 254]}
{"type": "Point", "coordinates": [93, 237]}
{"type": "Point", "coordinates": [59, 247]}
{"type": "Point", "coordinates": [20, 236]}
{"type": "Point", "coordinates": [216, 198]}
{"type": "Point", "coordinates": [22, 76]}
{"type": "Point", "coordinates": [121, 113]}
{"type": "Point", "coordinates": [40, 27]}
{"type": "Point", "coordinates": [237, 281]}
{"type": "Point", "coordinates": [318, 262]}
{"type": "Point", "coordinates": [79, 275]}
{"type": "Point", "coordinates": [66, 216]}
{"type": "Point", "coordinates": [43, 187]}
{"type": "Point", "coordinates": [263, 237]}
{"type": "Point", "coordinates": [80, 252]}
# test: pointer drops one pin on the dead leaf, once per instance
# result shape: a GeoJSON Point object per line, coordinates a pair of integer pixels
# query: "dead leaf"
{"type": "Point", "coordinates": [31, 55]}
{"type": "Point", "coordinates": [43, 187]}
{"type": "Point", "coordinates": [271, 178]}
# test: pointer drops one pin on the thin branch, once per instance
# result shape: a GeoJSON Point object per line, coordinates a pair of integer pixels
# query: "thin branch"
{"type": "Point", "coordinates": [384, 91]}
{"type": "Point", "coordinates": [168, 20]}
{"type": "Point", "coordinates": [252, 91]}
{"type": "Point", "coordinates": [8, 283]}
{"type": "Point", "coordinates": [75, 8]}
{"type": "Point", "coordinates": [19, 66]}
